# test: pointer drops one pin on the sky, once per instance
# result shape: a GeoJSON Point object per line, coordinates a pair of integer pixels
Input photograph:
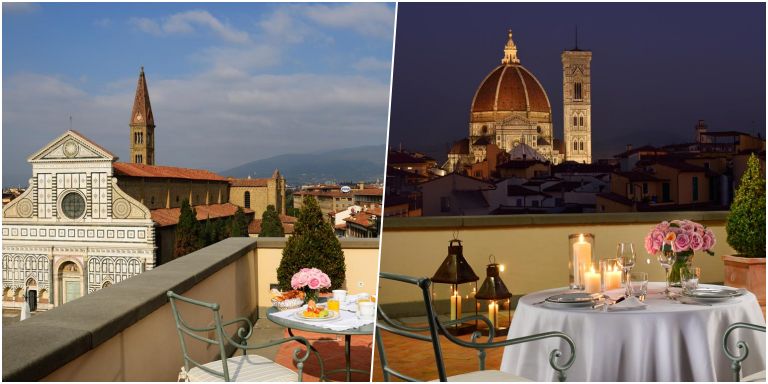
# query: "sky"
{"type": "Point", "coordinates": [656, 68]}
{"type": "Point", "coordinates": [229, 83]}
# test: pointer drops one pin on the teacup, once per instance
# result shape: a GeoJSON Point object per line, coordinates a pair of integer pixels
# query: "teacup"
{"type": "Point", "coordinates": [340, 295]}
{"type": "Point", "coordinates": [366, 310]}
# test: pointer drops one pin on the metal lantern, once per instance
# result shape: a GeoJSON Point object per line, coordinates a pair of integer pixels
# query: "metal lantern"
{"type": "Point", "coordinates": [455, 270]}
{"type": "Point", "coordinates": [495, 292]}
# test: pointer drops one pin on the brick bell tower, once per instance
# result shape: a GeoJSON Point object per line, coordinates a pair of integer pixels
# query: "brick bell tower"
{"type": "Point", "coordinates": [142, 125]}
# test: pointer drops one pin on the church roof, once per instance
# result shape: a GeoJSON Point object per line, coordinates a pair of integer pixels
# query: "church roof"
{"type": "Point", "coordinates": [170, 216]}
{"type": "Point", "coordinates": [263, 182]}
{"type": "Point", "coordinates": [142, 170]}
{"type": "Point", "coordinates": [510, 87]}
{"type": "Point", "coordinates": [524, 151]}
{"type": "Point", "coordinates": [460, 147]}
{"type": "Point", "coordinates": [142, 110]}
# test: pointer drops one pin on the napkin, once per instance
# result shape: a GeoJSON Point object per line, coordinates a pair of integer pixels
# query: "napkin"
{"type": "Point", "coordinates": [629, 304]}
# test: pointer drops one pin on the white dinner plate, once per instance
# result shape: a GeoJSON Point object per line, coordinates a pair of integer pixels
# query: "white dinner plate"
{"type": "Point", "coordinates": [332, 315]}
{"type": "Point", "coordinates": [714, 294]}
{"type": "Point", "coordinates": [572, 300]}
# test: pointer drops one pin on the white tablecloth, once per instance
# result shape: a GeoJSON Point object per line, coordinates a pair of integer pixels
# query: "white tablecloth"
{"type": "Point", "coordinates": [667, 341]}
{"type": "Point", "coordinates": [346, 320]}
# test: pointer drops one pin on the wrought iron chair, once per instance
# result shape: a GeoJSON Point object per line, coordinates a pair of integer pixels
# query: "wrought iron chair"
{"type": "Point", "coordinates": [236, 368]}
{"type": "Point", "coordinates": [736, 359]}
{"type": "Point", "coordinates": [435, 328]}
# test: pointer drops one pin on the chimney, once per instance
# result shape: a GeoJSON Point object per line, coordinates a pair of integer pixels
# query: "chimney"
{"type": "Point", "coordinates": [629, 147]}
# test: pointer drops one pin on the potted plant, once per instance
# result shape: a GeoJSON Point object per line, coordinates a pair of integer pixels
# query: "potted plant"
{"type": "Point", "coordinates": [746, 233]}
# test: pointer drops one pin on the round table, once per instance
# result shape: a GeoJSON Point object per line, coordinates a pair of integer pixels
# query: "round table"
{"type": "Point", "coordinates": [667, 341]}
{"type": "Point", "coordinates": [348, 333]}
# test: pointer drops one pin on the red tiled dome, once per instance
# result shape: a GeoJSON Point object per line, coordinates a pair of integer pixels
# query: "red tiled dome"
{"type": "Point", "coordinates": [511, 88]}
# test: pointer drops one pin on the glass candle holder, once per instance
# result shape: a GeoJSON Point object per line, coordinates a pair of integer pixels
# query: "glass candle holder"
{"type": "Point", "coordinates": [581, 258]}
{"type": "Point", "coordinates": [611, 274]}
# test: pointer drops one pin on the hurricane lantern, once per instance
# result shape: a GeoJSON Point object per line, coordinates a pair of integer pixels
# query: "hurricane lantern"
{"type": "Point", "coordinates": [496, 293]}
{"type": "Point", "coordinates": [455, 270]}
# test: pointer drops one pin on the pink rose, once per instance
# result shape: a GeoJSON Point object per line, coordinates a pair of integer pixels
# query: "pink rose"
{"type": "Point", "coordinates": [663, 226]}
{"type": "Point", "coordinates": [649, 245]}
{"type": "Point", "coordinates": [696, 242]}
{"type": "Point", "coordinates": [325, 281]}
{"type": "Point", "coordinates": [681, 243]}
{"type": "Point", "coordinates": [314, 283]}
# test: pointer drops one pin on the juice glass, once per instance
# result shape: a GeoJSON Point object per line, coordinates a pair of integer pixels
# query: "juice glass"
{"type": "Point", "coordinates": [333, 305]}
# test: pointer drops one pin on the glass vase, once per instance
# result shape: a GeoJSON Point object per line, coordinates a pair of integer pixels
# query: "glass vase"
{"type": "Point", "coordinates": [313, 294]}
{"type": "Point", "coordinates": [679, 260]}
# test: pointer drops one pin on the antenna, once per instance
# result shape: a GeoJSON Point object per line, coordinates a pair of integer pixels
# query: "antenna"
{"type": "Point", "coordinates": [70, 121]}
{"type": "Point", "coordinates": [576, 36]}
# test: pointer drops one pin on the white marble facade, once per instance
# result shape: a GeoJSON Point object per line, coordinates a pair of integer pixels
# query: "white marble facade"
{"type": "Point", "coordinates": [73, 231]}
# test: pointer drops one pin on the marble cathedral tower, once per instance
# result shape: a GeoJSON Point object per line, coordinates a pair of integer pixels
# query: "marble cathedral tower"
{"type": "Point", "coordinates": [577, 105]}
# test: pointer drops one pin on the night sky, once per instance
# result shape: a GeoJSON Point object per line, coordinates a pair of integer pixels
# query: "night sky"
{"type": "Point", "coordinates": [656, 68]}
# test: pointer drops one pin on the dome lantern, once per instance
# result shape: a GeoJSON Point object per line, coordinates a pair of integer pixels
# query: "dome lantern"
{"type": "Point", "coordinates": [510, 51]}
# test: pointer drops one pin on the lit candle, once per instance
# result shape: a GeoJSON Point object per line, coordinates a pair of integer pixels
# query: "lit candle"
{"type": "Point", "coordinates": [455, 305]}
{"type": "Point", "coordinates": [582, 257]}
{"type": "Point", "coordinates": [592, 281]}
{"type": "Point", "coordinates": [493, 310]}
{"type": "Point", "coordinates": [612, 279]}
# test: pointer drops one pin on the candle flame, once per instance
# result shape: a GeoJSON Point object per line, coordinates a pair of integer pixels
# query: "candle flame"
{"type": "Point", "coordinates": [581, 238]}
{"type": "Point", "coordinates": [592, 269]}
{"type": "Point", "coordinates": [501, 268]}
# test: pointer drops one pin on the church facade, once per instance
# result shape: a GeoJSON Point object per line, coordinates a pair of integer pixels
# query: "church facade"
{"type": "Point", "coordinates": [88, 221]}
{"type": "Point", "coordinates": [511, 115]}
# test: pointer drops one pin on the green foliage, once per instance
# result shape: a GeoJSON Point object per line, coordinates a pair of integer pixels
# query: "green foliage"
{"type": "Point", "coordinates": [289, 209]}
{"type": "Point", "coordinates": [270, 223]}
{"type": "Point", "coordinates": [239, 224]}
{"type": "Point", "coordinates": [746, 221]}
{"type": "Point", "coordinates": [187, 231]}
{"type": "Point", "coordinates": [313, 245]}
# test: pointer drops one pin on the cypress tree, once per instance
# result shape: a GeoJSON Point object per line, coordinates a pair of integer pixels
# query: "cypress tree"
{"type": "Point", "coordinates": [239, 224]}
{"type": "Point", "coordinates": [187, 232]}
{"type": "Point", "coordinates": [270, 223]}
{"type": "Point", "coordinates": [313, 245]}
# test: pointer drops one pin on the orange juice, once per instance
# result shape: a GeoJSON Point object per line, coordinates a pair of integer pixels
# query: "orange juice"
{"type": "Point", "coordinates": [333, 305]}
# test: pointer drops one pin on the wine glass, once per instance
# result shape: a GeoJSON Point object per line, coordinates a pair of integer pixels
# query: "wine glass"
{"type": "Point", "coordinates": [666, 259]}
{"type": "Point", "coordinates": [625, 252]}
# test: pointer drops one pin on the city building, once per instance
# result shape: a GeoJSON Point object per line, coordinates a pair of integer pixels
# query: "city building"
{"type": "Point", "coordinates": [336, 198]}
{"type": "Point", "coordinates": [257, 194]}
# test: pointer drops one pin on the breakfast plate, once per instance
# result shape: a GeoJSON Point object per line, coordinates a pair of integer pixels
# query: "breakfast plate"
{"type": "Point", "coordinates": [328, 315]}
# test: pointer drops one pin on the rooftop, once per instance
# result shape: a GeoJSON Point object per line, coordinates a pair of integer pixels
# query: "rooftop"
{"type": "Point", "coordinates": [160, 171]}
{"type": "Point", "coordinates": [170, 216]}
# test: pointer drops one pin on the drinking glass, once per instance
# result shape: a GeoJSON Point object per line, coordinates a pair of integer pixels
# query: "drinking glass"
{"type": "Point", "coordinates": [666, 258]}
{"type": "Point", "coordinates": [333, 305]}
{"type": "Point", "coordinates": [625, 252]}
{"type": "Point", "coordinates": [638, 284]}
{"type": "Point", "coordinates": [689, 278]}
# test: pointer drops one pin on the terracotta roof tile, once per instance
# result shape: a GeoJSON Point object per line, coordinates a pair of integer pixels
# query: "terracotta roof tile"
{"type": "Point", "coordinates": [142, 170]}
{"type": "Point", "coordinates": [254, 227]}
{"type": "Point", "coordinates": [170, 216]}
{"type": "Point", "coordinates": [249, 182]}
{"type": "Point", "coordinates": [511, 88]}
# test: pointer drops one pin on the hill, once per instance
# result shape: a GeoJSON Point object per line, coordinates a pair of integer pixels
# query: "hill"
{"type": "Point", "coordinates": [364, 163]}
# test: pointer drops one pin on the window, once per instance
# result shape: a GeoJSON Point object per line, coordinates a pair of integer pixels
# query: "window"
{"type": "Point", "coordinates": [575, 121]}
{"type": "Point", "coordinates": [445, 204]}
{"type": "Point", "coordinates": [581, 120]}
{"type": "Point", "coordinates": [575, 145]}
{"type": "Point", "coordinates": [535, 203]}
{"type": "Point", "coordinates": [247, 199]}
{"type": "Point", "coordinates": [577, 91]}
{"type": "Point", "coordinates": [485, 129]}
{"type": "Point", "coordinates": [519, 202]}
{"type": "Point", "coordinates": [73, 205]}
{"type": "Point", "coordinates": [138, 159]}
{"type": "Point", "coordinates": [695, 189]}
{"type": "Point", "coordinates": [581, 145]}
{"type": "Point", "coordinates": [665, 192]}
{"type": "Point", "coordinates": [645, 188]}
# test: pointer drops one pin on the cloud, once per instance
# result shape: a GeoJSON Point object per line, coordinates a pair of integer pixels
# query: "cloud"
{"type": "Point", "coordinates": [9, 8]}
{"type": "Point", "coordinates": [371, 64]}
{"type": "Point", "coordinates": [370, 19]}
{"type": "Point", "coordinates": [203, 121]}
{"type": "Point", "coordinates": [187, 22]}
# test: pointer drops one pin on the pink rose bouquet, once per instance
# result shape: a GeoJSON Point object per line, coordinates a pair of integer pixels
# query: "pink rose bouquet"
{"type": "Point", "coordinates": [679, 236]}
{"type": "Point", "coordinates": [310, 279]}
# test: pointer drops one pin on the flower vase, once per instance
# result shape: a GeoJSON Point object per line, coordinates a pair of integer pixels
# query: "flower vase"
{"type": "Point", "coordinates": [311, 294]}
{"type": "Point", "coordinates": [680, 259]}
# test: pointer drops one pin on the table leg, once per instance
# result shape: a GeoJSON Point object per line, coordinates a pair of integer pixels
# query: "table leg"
{"type": "Point", "coordinates": [347, 355]}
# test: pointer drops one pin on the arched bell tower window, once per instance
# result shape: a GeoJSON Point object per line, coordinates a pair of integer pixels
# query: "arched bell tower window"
{"type": "Point", "coordinates": [577, 91]}
{"type": "Point", "coordinates": [247, 199]}
{"type": "Point", "coordinates": [575, 145]}
{"type": "Point", "coordinates": [581, 120]}
{"type": "Point", "coordinates": [575, 121]}
{"type": "Point", "coordinates": [484, 130]}
{"type": "Point", "coordinates": [581, 145]}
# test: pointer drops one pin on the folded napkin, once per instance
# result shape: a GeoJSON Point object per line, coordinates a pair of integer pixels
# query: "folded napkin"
{"type": "Point", "coordinates": [629, 304]}
{"type": "Point", "coordinates": [346, 320]}
{"type": "Point", "coordinates": [350, 303]}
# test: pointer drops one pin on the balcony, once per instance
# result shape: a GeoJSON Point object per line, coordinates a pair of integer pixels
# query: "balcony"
{"type": "Point", "coordinates": [534, 251]}
{"type": "Point", "coordinates": [126, 332]}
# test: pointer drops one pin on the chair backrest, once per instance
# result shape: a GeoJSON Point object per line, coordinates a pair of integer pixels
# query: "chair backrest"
{"type": "Point", "coordinates": [184, 329]}
{"type": "Point", "coordinates": [736, 359]}
{"type": "Point", "coordinates": [386, 324]}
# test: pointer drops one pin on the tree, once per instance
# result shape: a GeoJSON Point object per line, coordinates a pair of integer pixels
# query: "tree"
{"type": "Point", "coordinates": [270, 223]}
{"type": "Point", "coordinates": [746, 221]}
{"type": "Point", "coordinates": [187, 231]}
{"type": "Point", "coordinates": [239, 224]}
{"type": "Point", "coordinates": [312, 245]}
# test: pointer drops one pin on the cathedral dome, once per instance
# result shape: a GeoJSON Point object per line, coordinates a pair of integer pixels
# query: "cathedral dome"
{"type": "Point", "coordinates": [509, 88]}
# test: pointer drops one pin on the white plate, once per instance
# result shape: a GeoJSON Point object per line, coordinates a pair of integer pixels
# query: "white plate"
{"type": "Point", "coordinates": [581, 298]}
{"type": "Point", "coordinates": [714, 294]}
{"type": "Point", "coordinates": [332, 315]}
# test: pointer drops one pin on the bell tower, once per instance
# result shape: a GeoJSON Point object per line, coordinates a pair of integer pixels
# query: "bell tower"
{"type": "Point", "coordinates": [142, 125]}
{"type": "Point", "coordinates": [577, 104]}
